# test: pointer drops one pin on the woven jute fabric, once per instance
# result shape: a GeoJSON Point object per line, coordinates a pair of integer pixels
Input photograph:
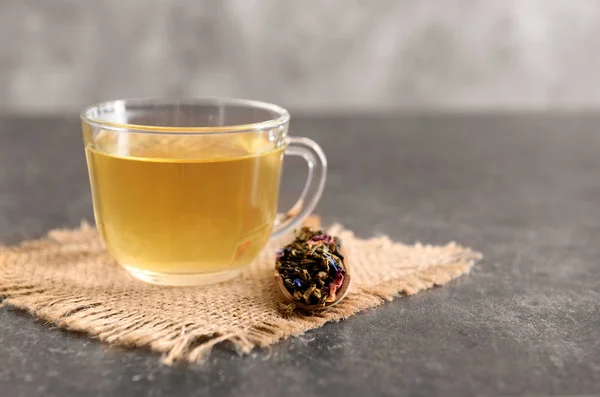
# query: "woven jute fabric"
{"type": "Point", "coordinates": [69, 279]}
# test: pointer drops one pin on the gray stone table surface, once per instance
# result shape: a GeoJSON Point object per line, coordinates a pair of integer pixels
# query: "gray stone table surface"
{"type": "Point", "coordinates": [522, 188]}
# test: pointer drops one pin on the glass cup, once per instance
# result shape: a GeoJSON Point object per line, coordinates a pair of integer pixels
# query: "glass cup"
{"type": "Point", "coordinates": [185, 192]}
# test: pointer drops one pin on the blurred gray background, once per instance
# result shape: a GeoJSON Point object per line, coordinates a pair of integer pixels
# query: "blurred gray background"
{"type": "Point", "coordinates": [315, 56]}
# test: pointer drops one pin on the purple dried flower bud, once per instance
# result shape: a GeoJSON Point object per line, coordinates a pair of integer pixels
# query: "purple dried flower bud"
{"type": "Point", "coordinates": [298, 283]}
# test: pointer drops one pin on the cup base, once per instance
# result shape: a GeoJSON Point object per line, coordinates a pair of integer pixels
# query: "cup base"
{"type": "Point", "coordinates": [181, 280]}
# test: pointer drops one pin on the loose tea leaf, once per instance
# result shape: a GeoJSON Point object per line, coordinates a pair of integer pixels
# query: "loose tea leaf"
{"type": "Point", "coordinates": [312, 267]}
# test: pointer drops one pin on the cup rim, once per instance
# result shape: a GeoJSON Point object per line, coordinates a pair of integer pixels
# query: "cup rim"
{"type": "Point", "coordinates": [86, 115]}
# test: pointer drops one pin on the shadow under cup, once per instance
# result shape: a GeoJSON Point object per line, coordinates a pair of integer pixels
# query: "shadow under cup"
{"type": "Point", "coordinates": [185, 192]}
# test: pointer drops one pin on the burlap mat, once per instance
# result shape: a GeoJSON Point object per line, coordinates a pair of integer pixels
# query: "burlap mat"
{"type": "Point", "coordinates": [70, 280]}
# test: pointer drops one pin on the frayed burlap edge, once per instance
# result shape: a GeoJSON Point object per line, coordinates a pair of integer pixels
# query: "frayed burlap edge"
{"type": "Point", "coordinates": [119, 328]}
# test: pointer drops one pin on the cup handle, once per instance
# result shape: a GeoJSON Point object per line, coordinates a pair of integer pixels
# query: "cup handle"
{"type": "Point", "coordinates": [310, 151]}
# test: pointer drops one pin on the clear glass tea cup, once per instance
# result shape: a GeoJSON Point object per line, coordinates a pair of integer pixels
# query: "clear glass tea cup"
{"type": "Point", "coordinates": [185, 192]}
